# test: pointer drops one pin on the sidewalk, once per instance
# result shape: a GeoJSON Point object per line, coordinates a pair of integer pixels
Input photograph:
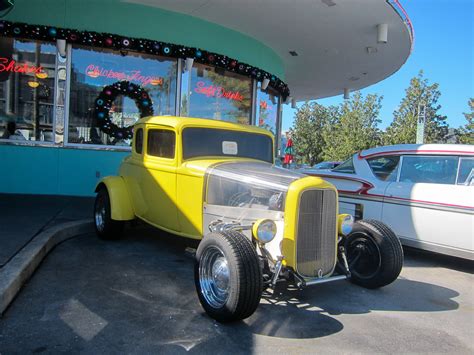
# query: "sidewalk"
{"type": "Point", "coordinates": [22, 217]}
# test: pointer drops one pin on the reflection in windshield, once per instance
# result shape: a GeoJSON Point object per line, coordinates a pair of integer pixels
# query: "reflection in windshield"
{"type": "Point", "coordinates": [249, 185]}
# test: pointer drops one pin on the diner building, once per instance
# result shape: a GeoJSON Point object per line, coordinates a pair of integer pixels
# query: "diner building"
{"type": "Point", "coordinates": [76, 75]}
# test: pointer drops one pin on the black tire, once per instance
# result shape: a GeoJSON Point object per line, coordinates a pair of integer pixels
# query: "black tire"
{"type": "Point", "coordinates": [105, 227]}
{"type": "Point", "coordinates": [244, 283]}
{"type": "Point", "coordinates": [374, 254]}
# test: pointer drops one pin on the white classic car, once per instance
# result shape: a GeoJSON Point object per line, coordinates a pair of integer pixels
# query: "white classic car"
{"type": "Point", "coordinates": [425, 193]}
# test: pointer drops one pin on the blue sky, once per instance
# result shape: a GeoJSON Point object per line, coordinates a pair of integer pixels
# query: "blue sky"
{"type": "Point", "coordinates": [444, 47]}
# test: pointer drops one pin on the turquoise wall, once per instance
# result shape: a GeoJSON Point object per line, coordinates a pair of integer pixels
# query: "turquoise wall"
{"type": "Point", "coordinates": [118, 17]}
{"type": "Point", "coordinates": [65, 171]}
{"type": "Point", "coordinates": [54, 170]}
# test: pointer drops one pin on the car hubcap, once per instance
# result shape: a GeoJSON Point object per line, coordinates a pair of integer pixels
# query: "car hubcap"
{"type": "Point", "coordinates": [214, 277]}
{"type": "Point", "coordinates": [363, 256]}
{"type": "Point", "coordinates": [99, 214]}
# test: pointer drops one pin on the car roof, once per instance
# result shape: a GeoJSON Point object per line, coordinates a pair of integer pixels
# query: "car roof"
{"type": "Point", "coordinates": [181, 122]}
{"type": "Point", "coordinates": [421, 149]}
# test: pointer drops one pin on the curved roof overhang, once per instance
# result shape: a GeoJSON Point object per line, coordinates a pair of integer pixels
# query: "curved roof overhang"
{"type": "Point", "coordinates": [335, 40]}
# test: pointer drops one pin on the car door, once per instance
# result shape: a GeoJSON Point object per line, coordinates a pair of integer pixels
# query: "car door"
{"type": "Point", "coordinates": [158, 178]}
{"type": "Point", "coordinates": [425, 207]}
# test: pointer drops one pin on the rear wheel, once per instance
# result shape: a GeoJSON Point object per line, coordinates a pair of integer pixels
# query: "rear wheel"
{"type": "Point", "coordinates": [227, 276]}
{"type": "Point", "coordinates": [374, 254]}
{"type": "Point", "coordinates": [105, 226]}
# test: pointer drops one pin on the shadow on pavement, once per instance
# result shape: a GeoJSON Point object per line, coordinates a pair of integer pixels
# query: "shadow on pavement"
{"type": "Point", "coordinates": [422, 258]}
{"type": "Point", "coordinates": [137, 295]}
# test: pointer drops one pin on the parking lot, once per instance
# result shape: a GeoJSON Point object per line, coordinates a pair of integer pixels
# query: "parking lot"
{"type": "Point", "coordinates": [137, 295]}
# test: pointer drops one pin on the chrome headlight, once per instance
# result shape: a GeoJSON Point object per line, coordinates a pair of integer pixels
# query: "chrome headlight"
{"type": "Point", "coordinates": [345, 223]}
{"type": "Point", "coordinates": [264, 230]}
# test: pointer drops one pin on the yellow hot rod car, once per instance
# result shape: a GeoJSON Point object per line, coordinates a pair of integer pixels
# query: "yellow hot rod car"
{"type": "Point", "coordinates": [258, 224]}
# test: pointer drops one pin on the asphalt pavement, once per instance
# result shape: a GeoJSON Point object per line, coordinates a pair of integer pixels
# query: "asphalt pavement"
{"type": "Point", "coordinates": [137, 295]}
{"type": "Point", "coordinates": [22, 217]}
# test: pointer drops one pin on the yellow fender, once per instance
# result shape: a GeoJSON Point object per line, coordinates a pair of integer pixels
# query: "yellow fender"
{"type": "Point", "coordinates": [120, 202]}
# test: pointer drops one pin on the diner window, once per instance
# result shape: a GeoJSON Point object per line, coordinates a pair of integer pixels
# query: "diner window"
{"type": "Point", "coordinates": [209, 92]}
{"type": "Point", "coordinates": [139, 141]}
{"type": "Point", "coordinates": [161, 143]}
{"type": "Point", "coordinates": [385, 168]}
{"type": "Point", "coordinates": [432, 169]}
{"type": "Point", "coordinates": [92, 70]}
{"type": "Point", "coordinates": [27, 73]}
{"type": "Point", "coordinates": [267, 109]}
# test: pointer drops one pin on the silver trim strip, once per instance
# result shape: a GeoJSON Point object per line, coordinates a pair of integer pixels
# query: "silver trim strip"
{"type": "Point", "coordinates": [395, 201]}
{"type": "Point", "coordinates": [179, 73]}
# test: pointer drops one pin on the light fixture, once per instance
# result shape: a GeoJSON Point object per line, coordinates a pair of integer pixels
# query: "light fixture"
{"type": "Point", "coordinates": [293, 103]}
{"type": "Point", "coordinates": [371, 50]}
{"type": "Point", "coordinates": [33, 84]}
{"type": "Point", "coordinates": [61, 46]}
{"type": "Point", "coordinates": [345, 223]}
{"type": "Point", "coordinates": [382, 33]}
{"type": "Point", "coordinates": [265, 83]}
{"type": "Point", "coordinates": [264, 230]}
{"type": "Point", "coordinates": [189, 64]}
{"type": "Point", "coordinates": [42, 75]}
{"type": "Point", "coordinates": [346, 93]}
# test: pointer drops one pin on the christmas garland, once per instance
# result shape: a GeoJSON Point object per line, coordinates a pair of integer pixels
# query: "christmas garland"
{"type": "Point", "coordinates": [104, 103]}
{"type": "Point", "coordinates": [107, 40]}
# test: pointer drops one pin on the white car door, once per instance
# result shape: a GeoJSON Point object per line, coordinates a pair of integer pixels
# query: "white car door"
{"type": "Point", "coordinates": [426, 208]}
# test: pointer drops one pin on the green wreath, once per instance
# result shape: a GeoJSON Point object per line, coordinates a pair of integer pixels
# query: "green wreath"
{"type": "Point", "coordinates": [104, 103]}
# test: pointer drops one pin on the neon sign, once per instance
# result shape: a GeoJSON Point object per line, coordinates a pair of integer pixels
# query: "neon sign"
{"type": "Point", "coordinates": [94, 71]}
{"type": "Point", "coordinates": [7, 64]}
{"type": "Point", "coordinates": [217, 91]}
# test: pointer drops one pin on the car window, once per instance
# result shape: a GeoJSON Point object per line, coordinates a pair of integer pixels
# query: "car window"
{"type": "Point", "coordinates": [161, 143]}
{"type": "Point", "coordinates": [429, 169]}
{"type": "Point", "coordinates": [324, 165]}
{"type": "Point", "coordinates": [211, 142]}
{"type": "Point", "coordinates": [466, 171]}
{"type": "Point", "coordinates": [345, 167]}
{"type": "Point", "coordinates": [139, 141]}
{"type": "Point", "coordinates": [385, 168]}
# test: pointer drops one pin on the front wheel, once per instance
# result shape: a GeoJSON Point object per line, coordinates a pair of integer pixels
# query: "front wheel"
{"type": "Point", "coordinates": [105, 226]}
{"type": "Point", "coordinates": [227, 276]}
{"type": "Point", "coordinates": [374, 254]}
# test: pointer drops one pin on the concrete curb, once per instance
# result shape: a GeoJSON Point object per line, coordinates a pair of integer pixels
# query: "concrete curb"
{"type": "Point", "coordinates": [19, 269]}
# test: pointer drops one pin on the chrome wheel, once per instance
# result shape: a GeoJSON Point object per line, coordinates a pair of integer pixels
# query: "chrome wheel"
{"type": "Point", "coordinates": [214, 277]}
{"type": "Point", "coordinates": [100, 214]}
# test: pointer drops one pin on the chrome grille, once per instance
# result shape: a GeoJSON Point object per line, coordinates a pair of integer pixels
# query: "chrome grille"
{"type": "Point", "coordinates": [316, 236]}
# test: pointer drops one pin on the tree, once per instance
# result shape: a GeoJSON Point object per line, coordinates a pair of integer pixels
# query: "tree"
{"type": "Point", "coordinates": [466, 133]}
{"type": "Point", "coordinates": [307, 131]}
{"type": "Point", "coordinates": [403, 128]}
{"type": "Point", "coordinates": [353, 128]}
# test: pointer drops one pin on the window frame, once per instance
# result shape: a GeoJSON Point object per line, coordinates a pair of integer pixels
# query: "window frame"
{"type": "Point", "coordinates": [69, 50]}
{"type": "Point", "coordinates": [135, 141]}
{"type": "Point", "coordinates": [397, 169]}
{"type": "Point", "coordinates": [460, 158]}
{"type": "Point", "coordinates": [61, 120]}
{"type": "Point", "coordinates": [345, 172]}
{"type": "Point", "coordinates": [183, 158]}
{"type": "Point", "coordinates": [426, 156]}
{"type": "Point", "coordinates": [251, 118]}
{"type": "Point", "coordinates": [51, 143]}
{"type": "Point", "coordinates": [160, 128]}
